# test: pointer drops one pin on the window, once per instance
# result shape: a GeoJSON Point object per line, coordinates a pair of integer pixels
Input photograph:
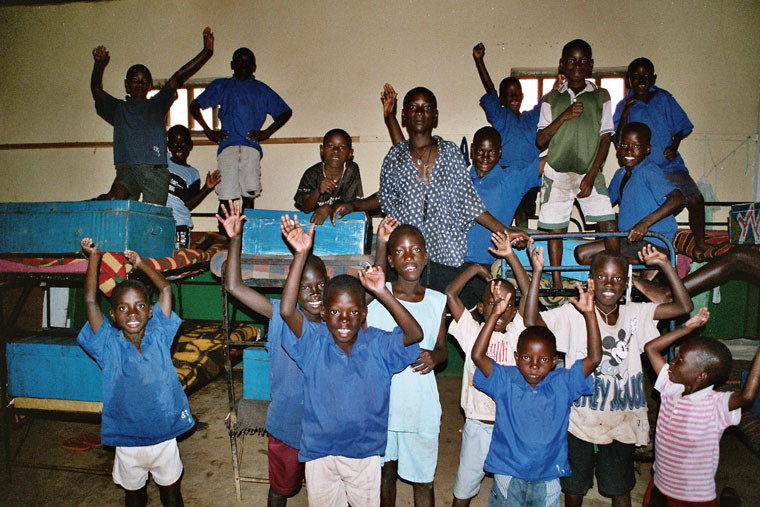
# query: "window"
{"type": "Point", "coordinates": [180, 110]}
{"type": "Point", "coordinates": [538, 82]}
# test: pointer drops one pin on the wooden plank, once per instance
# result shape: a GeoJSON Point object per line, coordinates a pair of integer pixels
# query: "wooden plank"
{"type": "Point", "coordinates": [87, 407]}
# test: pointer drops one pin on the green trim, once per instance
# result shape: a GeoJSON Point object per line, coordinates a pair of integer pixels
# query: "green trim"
{"type": "Point", "coordinates": [552, 227]}
{"type": "Point", "coordinates": [601, 218]}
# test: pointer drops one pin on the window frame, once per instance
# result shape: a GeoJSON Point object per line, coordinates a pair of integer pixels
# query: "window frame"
{"type": "Point", "coordinates": [191, 85]}
{"type": "Point", "coordinates": [539, 74]}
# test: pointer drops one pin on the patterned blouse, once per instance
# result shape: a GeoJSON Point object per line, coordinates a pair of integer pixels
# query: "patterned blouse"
{"type": "Point", "coordinates": [443, 206]}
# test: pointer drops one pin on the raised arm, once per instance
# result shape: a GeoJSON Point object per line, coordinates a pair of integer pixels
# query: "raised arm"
{"type": "Point", "coordinates": [480, 347]}
{"type": "Point", "coordinates": [212, 180]}
{"type": "Point", "coordinates": [531, 314]}
{"type": "Point", "coordinates": [384, 231]}
{"type": "Point", "coordinates": [503, 249]}
{"type": "Point", "coordinates": [674, 201]}
{"type": "Point", "coordinates": [627, 105]}
{"type": "Point", "coordinates": [747, 396]}
{"type": "Point", "coordinates": [373, 279]}
{"type": "Point", "coordinates": [519, 238]}
{"type": "Point", "coordinates": [545, 135]}
{"type": "Point", "coordinates": [191, 67]}
{"type": "Point", "coordinates": [655, 347]}
{"type": "Point", "coordinates": [301, 243]}
{"type": "Point", "coordinates": [478, 52]}
{"type": "Point", "coordinates": [388, 98]}
{"type": "Point", "coordinates": [157, 279]}
{"type": "Point", "coordinates": [455, 288]}
{"type": "Point", "coordinates": [233, 222]}
{"type": "Point", "coordinates": [681, 303]}
{"type": "Point", "coordinates": [94, 315]}
{"type": "Point", "coordinates": [584, 303]}
{"type": "Point", "coordinates": [101, 58]}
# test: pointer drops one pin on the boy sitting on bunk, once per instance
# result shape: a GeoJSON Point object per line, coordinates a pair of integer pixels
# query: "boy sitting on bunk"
{"type": "Point", "coordinates": [144, 405]}
{"type": "Point", "coordinates": [285, 411]}
{"type": "Point", "coordinates": [347, 377]}
{"type": "Point", "coordinates": [334, 180]}
{"type": "Point", "coordinates": [647, 200]}
{"type": "Point", "coordinates": [185, 191]}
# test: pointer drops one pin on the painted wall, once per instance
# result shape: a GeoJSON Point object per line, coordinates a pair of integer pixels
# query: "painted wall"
{"type": "Point", "coordinates": [329, 61]}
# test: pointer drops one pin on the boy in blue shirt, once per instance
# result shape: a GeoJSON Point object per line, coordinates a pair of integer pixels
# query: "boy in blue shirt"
{"type": "Point", "coordinates": [528, 452]}
{"type": "Point", "coordinates": [139, 132]}
{"type": "Point", "coordinates": [520, 156]}
{"type": "Point", "coordinates": [244, 105]}
{"type": "Point", "coordinates": [144, 406]}
{"type": "Point", "coordinates": [347, 377]}
{"type": "Point", "coordinates": [646, 199]}
{"type": "Point", "coordinates": [285, 411]}
{"type": "Point", "coordinates": [669, 124]}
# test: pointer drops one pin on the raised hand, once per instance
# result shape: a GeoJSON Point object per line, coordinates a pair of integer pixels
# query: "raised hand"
{"type": "Point", "coordinates": [372, 278]}
{"type": "Point", "coordinates": [585, 300]}
{"type": "Point", "coordinates": [233, 220]}
{"type": "Point", "coordinates": [503, 243]}
{"type": "Point", "coordinates": [388, 97]}
{"type": "Point", "coordinates": [536, 254]}
{"type": "Point", "coordinates": [133, 258]}
{"type": "Point", "coordinates": [101, 56]}
{"type": "Point", "coordinates": [213, 179]}
{"type": "Point", "coordinates": [478, 51]}
{"type": "Point", "coordinates": [500, 301]}
{"type": "Point", "coordinates": [295, 236]}
{"type": "Point", "coordinates": [650, 256]}
{"type": "Point", "coordinates": [208, 39]}
{"type": "Point", "coordinates": [88, 247]}
{"type": "Point", "coordinates": [561, 79]}
{"type": "Point", "coordinates": [699, 319]}
{"type": "Point", "coordinates": [386, 227]}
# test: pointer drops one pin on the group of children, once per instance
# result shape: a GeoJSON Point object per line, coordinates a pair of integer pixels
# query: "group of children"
{"type": "Point", "coordinates": [354, 401]}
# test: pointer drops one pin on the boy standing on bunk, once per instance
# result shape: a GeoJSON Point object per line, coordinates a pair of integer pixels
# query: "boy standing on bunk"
{"type": "Point", "coordinates": [144, 406]}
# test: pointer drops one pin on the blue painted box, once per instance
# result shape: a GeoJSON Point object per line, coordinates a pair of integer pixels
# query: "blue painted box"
{"type": "Point", "coordinates": [57, 227]}
{"type": "Point", "coordinates": [262, 235]}
{"type": "Point", "coordinates": [53, 367]}
{"type": "Point", "coordinates": [256, 374]}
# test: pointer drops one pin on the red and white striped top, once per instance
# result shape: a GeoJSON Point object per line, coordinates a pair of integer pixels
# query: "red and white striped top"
{"type": "Point", "coordinates": [687, 440]}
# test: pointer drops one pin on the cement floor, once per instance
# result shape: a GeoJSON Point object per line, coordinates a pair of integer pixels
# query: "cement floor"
{"type": "Point", "coordinates": [208, 464]}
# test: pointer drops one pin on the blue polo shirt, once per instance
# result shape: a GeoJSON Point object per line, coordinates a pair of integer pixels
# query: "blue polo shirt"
{"type": "Point", "coordinates": [346, 397]}
{"type": "Point", "coordinates": [646, 191]}
{"type": "Point", "coordinates": [501, 192]}
{"type": "Point", "coordinates": [518, 133]}
{"type": "Point", "coordinates": [665, 118]}
{"type": "Point", "coordinates": [530, 432]}
{"type": "Point", "coordinates": [285, 384]}
{"type": "Point", "coordinates": [143, 401]}
{"type": "Point", "coordinates": [243, 106]}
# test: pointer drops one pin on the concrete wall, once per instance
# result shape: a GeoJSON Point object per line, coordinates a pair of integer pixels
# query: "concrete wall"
{"type": "Point", "coordinates": [329, 61]}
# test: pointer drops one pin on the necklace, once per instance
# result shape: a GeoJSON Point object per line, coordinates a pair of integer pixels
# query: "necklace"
{"type": "Point", "coordinates": [425, 165]}
{"type": "Point", "coordinates": [337, 183]}
{"type": "Point", "coordinates": [606, 314]}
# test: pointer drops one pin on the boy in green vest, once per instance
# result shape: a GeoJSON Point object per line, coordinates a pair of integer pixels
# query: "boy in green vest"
{"type": "Point", "coordinates": [576, 127]}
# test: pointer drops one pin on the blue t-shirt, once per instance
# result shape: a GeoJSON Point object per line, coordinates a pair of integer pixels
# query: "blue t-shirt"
{"type": "Point", "coordinates": [665, 118]}
{"type": "Point", "coordinates": [243, 106]}
{"type": "Point", "coordinates": [530, 432]}
{"type": "Point", "coordinates": [285, 384]}
{"type": "Point", "coordinates": [143, 401]}
{"type": "Point", "coordinates": [646, 191]}
{"type": "Point", "coordinates": [346, 397]}
{"type": "Point", "coordinates": [501, 191]}
{"type": "Point", "coordinates": [184, 184]}
{"type": "Point", "coordinates": [518, 133]}
{"type": "Point", "coordinates": [139, 130]}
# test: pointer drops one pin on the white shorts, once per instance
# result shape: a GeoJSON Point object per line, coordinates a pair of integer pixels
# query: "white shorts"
{"type": "Point", "coordinates": [241, 173]}
{"type": "Point", "coordinates": [132, 464]}
{"type": "Point", "coordinates": [558, 193]}
{"type": "Point", "coordinates": [476, 439]}
{"type": "Point", "coordinates": [337, 481]}
{"type": "Point", "coordinates": [416, 453]}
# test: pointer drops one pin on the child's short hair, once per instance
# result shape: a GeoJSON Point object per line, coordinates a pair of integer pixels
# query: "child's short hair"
{"type": "Point", "coordinates": [501, 282]}
{"type": "Point", "coordinates": [240, 51]}
{"type": "Point", "coordinates": [139, 67]}
{"type": "Point", "coordinates": [639, 128]}
{"type": "Point", "coordinates": [340, 132]}
{"type": "Point", "coordinates": [343, 284]}
{"type": "Point", "coordinates": [606, 255]}
{"type": "Point", "coordinates": [713, 357]}
{"type": "Point", "coordinates": [178, 129]}
{"type": "Point", "coordinates": [315, 262]}
{"type": "Point", "coordinates": [126, 285]}
{"type": "Point", "coordinates": [641, 61]}
{"type": "Point", "coordinates": [540, 333]}
{"type": "Point", "coordinates": [420, 89]}
{"type": "Point", "coordinates": [577, 43]}
{"type": "Point", "coordinates": [506, 82]}
{"type": "Point", "coordinates": [406, 228]}
{"type": "Point", "coordinates": [489, 133]}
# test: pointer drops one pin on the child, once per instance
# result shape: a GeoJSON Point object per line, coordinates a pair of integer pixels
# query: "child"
{"type": "Point", "coordinates": [692, 416]}
{"type": "Point", "coordinates": [576, 127]}
{"type": "Point", "coordinates": [528, 451]}
{"type": "Point", "coordinates": [646, 198]}
{"type": "Point", "coordinates": [285, 377]}
{"type": "Point", "coordinates": [185, 192]}
{"type": "Point", "coordinates": [658, 109]}
{"type": "Point", "coordinates": [519, 156]}
{"type": "Point", "coordinates": [347, 377]}
{"type": "Point", "coordinates": [334, 180]}
{"type": "Point", "coordinates": [613, 419]}
{"type": "Point", "coordinates": [139, 133]}
{"type": "Point", "coordinates": [144, 406]}
{"type": "Point", "coordinates": [414, 416]}
{"type": "Point", "coordinates": [479, 409]}
{"type": "Point", "coordinates": [245, 104]}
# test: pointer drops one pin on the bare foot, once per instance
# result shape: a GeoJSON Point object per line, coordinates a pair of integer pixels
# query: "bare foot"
{"type": "Point", "coordinates": [698, 251]}
{"type": "Point", "coordinates": [655, 292]}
